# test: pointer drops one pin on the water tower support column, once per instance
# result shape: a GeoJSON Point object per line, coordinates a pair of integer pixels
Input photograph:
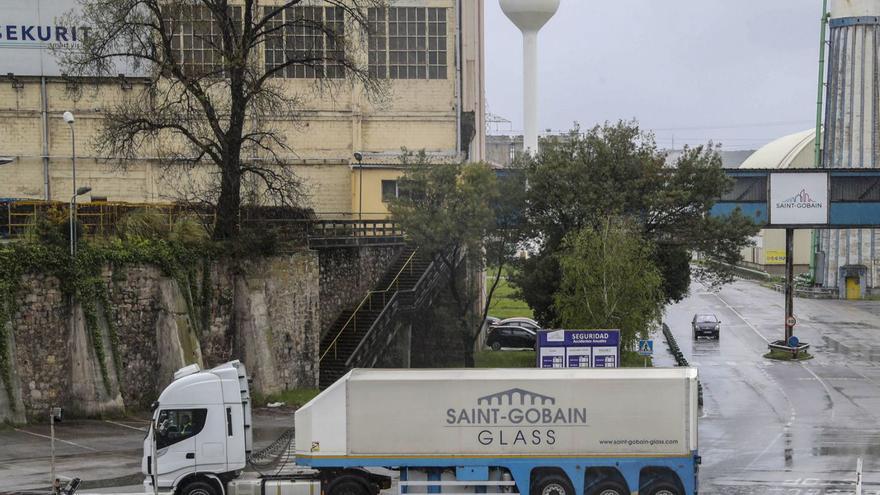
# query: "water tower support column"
{"type": "Point", "coordinates": [530, 92]}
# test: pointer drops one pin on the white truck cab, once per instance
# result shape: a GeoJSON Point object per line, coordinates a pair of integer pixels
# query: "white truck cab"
{"type": "Point", "coordinates": [201, 429]}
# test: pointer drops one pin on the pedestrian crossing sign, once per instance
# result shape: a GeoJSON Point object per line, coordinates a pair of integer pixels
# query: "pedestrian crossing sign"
{"type": "Point", "coordinates": [646, 347]}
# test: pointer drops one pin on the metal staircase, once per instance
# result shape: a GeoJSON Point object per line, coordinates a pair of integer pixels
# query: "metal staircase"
{"type": "Point", "coordinates": [359, 335]}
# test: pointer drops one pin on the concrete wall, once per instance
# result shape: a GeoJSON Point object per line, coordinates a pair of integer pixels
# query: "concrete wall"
{"type": "Point", "coordinates": [162, 325]}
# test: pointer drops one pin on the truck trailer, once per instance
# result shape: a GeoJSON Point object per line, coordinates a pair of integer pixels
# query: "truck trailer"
{"type": "Point", "coordinates": [451, 431]}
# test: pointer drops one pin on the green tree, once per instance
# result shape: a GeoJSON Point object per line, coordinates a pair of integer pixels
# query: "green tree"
{"type": "Point", "coordinates": [457, 214]}
{"type": "Point", "coordinates": [608, 280]}
{"type": "Point", "coordinates": [618, 171]}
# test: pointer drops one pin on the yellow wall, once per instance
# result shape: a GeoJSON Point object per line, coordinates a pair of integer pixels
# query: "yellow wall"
{"type": "Point", "coordinates": [771, 251]}
{"type": "Point", "coordinates": [334, 122]}
{"type": "Point", "coordinates": [373, 206]}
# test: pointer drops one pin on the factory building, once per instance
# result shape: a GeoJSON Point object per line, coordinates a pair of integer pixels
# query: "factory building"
{"type": "Point", "coordinates": [428, 54]}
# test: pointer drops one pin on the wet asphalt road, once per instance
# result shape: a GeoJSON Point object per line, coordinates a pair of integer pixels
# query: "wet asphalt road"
{"type": "Point", "coordinates": [784, 428]}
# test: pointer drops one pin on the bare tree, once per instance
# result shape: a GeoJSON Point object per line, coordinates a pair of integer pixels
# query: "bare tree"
{"type": "Point", "coordinates": [217, 94]}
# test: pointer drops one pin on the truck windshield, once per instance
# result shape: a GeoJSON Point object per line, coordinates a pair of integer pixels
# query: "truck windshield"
{"type": "Point", "coordinates": [176, 425]}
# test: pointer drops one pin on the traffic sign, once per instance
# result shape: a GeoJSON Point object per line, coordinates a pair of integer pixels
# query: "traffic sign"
{"type": "Point", "coordinates": [791, 321]}
{"type": "Point", "coordinates": [793, 342]}
{"type": "Point", "coordinates": [646, 347]}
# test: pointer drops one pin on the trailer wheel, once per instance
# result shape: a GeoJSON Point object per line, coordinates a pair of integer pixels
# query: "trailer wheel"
{"type": "Point", "coordinates": [198, 488]}
{"type": "Point", "coordinates": [552, 484]}
{"type": "Point", "coordinates": [610, 488]}
{"type": "Point", "coordinates": [662, 488]}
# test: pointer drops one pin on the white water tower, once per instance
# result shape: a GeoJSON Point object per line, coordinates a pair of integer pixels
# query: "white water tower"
{"type": "Point", "coordinates": [530, 16]}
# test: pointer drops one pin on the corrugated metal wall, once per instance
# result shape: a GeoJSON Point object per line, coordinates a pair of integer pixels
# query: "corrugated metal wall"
{"type": "Point", "coordinates": [852, 124]}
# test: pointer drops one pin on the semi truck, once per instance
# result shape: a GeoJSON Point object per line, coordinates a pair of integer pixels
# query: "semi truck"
{"type": "Point", "coordinates": [450, 431]}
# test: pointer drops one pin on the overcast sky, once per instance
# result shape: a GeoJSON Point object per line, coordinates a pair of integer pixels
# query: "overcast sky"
{"type": "Point", "coordinates": [739, 72]}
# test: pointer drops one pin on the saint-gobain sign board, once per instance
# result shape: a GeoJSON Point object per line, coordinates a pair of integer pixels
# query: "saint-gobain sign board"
{"type": "Point", "coordinates": [579, 349]}
{"type": "Point", "coordinates": [799, 198]}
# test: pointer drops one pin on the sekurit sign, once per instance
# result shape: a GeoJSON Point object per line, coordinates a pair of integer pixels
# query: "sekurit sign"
{"type": "Point", "coordinates": [798, 198]}
{"type": "Point", "coordinates": [29, 29]}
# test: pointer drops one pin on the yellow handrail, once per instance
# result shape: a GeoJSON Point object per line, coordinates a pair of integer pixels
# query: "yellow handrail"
{"type": "Point", "coordinates": [367, 297]}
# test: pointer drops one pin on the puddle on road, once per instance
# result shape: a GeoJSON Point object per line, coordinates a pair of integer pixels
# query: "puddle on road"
{"type": "Point", "coordinates": [859, 349]}
{"type": "Point", "coordinates": [848, 443]}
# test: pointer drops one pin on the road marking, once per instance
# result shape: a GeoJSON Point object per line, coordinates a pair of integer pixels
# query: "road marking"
{"type": "Point", "coordinates": [56, 439]}
{"type": "Point", "coordinates": [824, 385]}
{"type": "Point", "coordinates": [125, 426]}
{"type": "Point", "coordinates": [741, 317]}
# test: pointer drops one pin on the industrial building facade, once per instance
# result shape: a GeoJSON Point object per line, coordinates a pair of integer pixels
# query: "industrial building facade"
{"type": "Point", "coordinates": [427, 53]}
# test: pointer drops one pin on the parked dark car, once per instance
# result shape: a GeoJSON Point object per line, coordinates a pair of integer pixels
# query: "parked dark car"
{"type": "Point", "coordinates": [511, 336]}
{"type": "Point", "coordinates": [706, 324]}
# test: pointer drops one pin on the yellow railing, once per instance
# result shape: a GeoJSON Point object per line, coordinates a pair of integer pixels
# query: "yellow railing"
{"type": "Point", "coordinates": [368, 299]}
{"type": "Point", "coordinates": [96, 218]}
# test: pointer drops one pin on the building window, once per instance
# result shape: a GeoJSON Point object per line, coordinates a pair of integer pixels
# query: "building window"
{"type": "Point", "coordinates": [196, 39]}
{"type": "Point", "coordinates": [407, 43]}
{"type": "Point", "coordinates": [389, 190]}
{"type": "Point", "coordinates": [310, 39]}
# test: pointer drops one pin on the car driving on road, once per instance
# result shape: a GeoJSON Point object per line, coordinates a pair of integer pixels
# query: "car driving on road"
{"type": "Point", "coordinates": [706, 324]}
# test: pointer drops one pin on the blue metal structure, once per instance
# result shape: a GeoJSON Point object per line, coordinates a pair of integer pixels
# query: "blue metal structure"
{"type": "Point", "coordinates": [854, 197]}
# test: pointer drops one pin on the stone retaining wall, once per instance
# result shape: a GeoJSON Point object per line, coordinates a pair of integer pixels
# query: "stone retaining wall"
{"type": "Point", "coordinates": [162, 324]}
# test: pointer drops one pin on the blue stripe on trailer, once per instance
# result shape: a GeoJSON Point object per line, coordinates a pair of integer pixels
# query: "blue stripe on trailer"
{"type": "Point", "coordinates": [521, 466]}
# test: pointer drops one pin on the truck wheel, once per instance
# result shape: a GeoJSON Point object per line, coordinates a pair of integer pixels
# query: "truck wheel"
{"type": "Point", "coordinates": [496, 346]}
{"type": "Point", "coordinates": [553, 484]}
{"type": "Point", "coordinates": [199, 488]}
{"type": "Point", "coordinates": [348, 487]}
{"type": "Point", "coordinates": [610, 488]}
{"type": "Point", "coordinates": [662, 488]}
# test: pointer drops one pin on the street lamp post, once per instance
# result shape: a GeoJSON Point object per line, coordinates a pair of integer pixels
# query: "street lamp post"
{"type": "Point", "coordinates": [68, 118]}
{"type": "Point", "coordinates": [358, 156]}
{"type": "Point", "coordinates": [79, 192]}
{"type": "Point", "coordinates": [55, 414]}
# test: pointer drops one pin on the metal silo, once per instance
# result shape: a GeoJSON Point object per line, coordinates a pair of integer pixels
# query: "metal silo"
{"type": "Point", "coordinates": [852, 136]}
